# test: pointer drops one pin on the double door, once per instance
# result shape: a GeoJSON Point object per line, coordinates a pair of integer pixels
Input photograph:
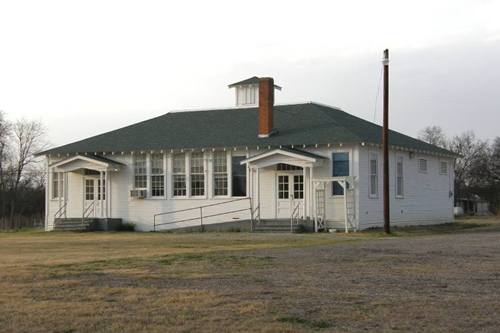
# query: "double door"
{"type": "Point", "coordinates": [289, 194]}
{"type": "Point", "coordinates": [94, 196]}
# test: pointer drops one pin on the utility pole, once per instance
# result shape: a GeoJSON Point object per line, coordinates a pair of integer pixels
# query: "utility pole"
{"type": "Point", "coordinates": [385, 143]}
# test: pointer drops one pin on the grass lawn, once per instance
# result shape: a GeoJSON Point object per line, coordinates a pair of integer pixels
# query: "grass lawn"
{"type": "Point", "coordinates": [154, 282]}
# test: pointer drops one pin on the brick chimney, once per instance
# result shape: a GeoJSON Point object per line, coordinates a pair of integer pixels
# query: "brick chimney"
{"type": "Point", "coordinates": [266, 103]}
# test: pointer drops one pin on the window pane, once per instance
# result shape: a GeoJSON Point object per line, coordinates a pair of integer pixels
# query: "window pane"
{"type": "Point", "coordinates": [140, 172]}
{"type": "Point", "coordinates": [399, 177]}
{"type": "Point", "coordinates": [55, 185]}
{"type": "Point", "coordinates": [179, 185]}
{"type": "Point", "coordinates": [156, 164]}
{"type": "Point", "coordinates": [373, 175]}
{"type": "Point", "coordinates": [157, 186]}
{"type": "Point", "coordinates": [197, 174]}
{"type": "Point", "coordinates": [179, 177]}
{"type": "Point", "coordinates": [340, 168]}
{"type": "Point", "coordinates": [298, 187]}
{"type": "Point", "coordinates": [283, 189]}
{"type": "Point", "coordinates": [179, 163]}
{"type": "Point", "coordinates": [239, 177]}
{"type": "Point", "coordinates": [220, 173]}
{"type": "Point", "coordinates": [89, 189]}
{"type": "Point", "coordinates": [444, 168]}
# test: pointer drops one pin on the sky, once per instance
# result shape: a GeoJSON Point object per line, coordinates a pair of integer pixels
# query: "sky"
{"type": "Point", "coordinates": [86, 67]}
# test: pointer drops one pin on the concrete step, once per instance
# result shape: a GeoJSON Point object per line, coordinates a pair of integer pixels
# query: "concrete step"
{"type": "Point", "coordinates": [72, 224]}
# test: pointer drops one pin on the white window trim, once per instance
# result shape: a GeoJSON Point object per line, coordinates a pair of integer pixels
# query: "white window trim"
{"type": "Point", "coordinates": [399, 196]}
{"type": "Point", "coordinates": [232, 154]}
{"type": "Point", "coordinates": [447, 168]}
{"type": "Point", "coordinates": [228, 195]}
{"type": "Point", "coordinates": [351, 170]}
{"type": "Point", "coordinates": [173, 174]}
{"type": "Point", "coordinates": [60, 185]}
{"type": "Point", "coordinates": [150, 177]}
{"type": "Point", "coordinates": [370, 158]}
{"type": "Point", "coordinates": [133, 172]}
{"type": "Point", "coordinates": [204, 160]}
{"type": "Point", "coordinates": [426, 165]}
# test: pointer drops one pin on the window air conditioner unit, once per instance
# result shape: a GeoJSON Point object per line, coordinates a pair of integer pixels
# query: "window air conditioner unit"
{"type": "Point", "coordinates": [138, 194]}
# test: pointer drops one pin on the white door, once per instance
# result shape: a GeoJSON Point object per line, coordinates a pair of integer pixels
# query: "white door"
{"type": "Point", "coordinates": [94, 196]}
{"type": "Point", "coordinates": [288, 187]}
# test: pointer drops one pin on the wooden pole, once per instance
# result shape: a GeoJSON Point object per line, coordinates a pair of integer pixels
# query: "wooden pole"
{"type": "Point", "coordinates": [385, 143]}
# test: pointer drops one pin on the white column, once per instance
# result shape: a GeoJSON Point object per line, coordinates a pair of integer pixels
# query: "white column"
{"type": "Point", "coordinates": [99, 190]}
{"type": "Point", "coordinates": [47, 192]}
{"type": "Point", "coordinates": [66, 186]}
{"type": "Point", "coordinates": [59, 188]}
{"type": "Point", "coordinates": [106, 193]}
{"type": "Point", "coordinates": [304, 184]}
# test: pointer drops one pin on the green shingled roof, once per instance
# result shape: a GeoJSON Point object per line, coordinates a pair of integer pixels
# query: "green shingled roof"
{"type": "Point", "coordinates": [297, 124]}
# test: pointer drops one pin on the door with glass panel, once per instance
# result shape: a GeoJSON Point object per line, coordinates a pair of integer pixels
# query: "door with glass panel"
{"type": "Point", "coordinates": [94, 196]}
{"type": "Point", "coordinates": [289, 194]}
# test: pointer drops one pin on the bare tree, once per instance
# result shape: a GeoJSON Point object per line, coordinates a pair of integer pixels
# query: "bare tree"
{"type": "Point", "coordinates": [434, 135]}
{"type": "Point", "coordinates": [472, 167]}
{"type": "Point", "coordinates": [28, 138]}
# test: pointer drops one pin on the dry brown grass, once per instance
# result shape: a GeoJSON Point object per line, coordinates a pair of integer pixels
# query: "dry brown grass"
{"type": "Point", "coordinates": [226, 282]}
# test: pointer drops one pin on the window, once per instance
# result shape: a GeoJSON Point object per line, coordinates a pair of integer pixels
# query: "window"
{"type": "Point", "coordinates": [399, 177]}
{"type": "Point", "coordinates": [287, 167]}
{"type": "Point", "coordinates": [283, 189]}
{"type": "Point", "coordinates": [239, 177]}
{"type": "Point", "coordinates": [89, 189]}
{"type": "Point", "coordinates": [422, 165]}
{"type": "Point", "coordinates": [140, 172]}
{"type": "Point", "coordinates": [220, 173]}
{"type": "Point", "coordinates": [157, 176]}
{"type": "Point", "coordinates": [101, 189]}
{"type": "Point", "coordinates": [197, 174]}
{"type": "Point", "coordinates": [246, 95]}
{"type": "Point", "coordinates": [179, 175]}
{"type": "Point", "coordinates": [298, 187]}
{"type": "Point", "coordinates": [340, 168]}
{"type": "Point", "coordinates": [57, 184]}
{"type": "Point", "coordinates": [443, 168]}
{"type": "Point", "coordinates": [373, 175]}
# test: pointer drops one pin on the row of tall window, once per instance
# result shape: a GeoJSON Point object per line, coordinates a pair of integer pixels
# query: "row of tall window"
{"type": "Point", "coordinates": [422, 167]}
{"type": "Point", "coordinates": [196, 174]}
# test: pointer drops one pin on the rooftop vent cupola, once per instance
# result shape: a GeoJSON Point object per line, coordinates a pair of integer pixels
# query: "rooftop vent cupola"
{"type": "Point", "coordinates": [247, 91]}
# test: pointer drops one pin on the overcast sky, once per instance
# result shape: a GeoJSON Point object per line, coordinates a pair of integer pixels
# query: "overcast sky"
{"type": "Point", "coordinates": [85, 67]}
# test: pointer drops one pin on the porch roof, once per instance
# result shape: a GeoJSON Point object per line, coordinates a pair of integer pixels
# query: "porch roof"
{"type": "Point", "coordinates": [95, 162]}
{"type": "Point", "coordinates": [287, 153]}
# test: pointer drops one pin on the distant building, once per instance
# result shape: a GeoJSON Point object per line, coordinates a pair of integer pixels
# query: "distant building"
{"type": "Point", "coordinates": [308, 163]}
{"type": "Point", "coordinates": [474, 206]}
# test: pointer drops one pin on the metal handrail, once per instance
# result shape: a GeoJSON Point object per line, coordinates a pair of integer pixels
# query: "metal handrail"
{"type": "Point", "coordinates": [201, 217]}
{"type": "Point", "coordinates": [61, 211]}
{"type": "Point", "coordinates": [294, 215]}
{"type": "Point", "coordinates": [86, 210]}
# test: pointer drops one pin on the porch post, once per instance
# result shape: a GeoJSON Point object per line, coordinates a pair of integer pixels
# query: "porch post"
{"type": "Point", "coordinates": [47, 192]}
{"type": "Point", "coordinates": [106, 193]}
{"type": "Point", "coordinates": [100, 191]}
{"type": "Point", "coordinates": [66, 186]}
{"type": "Point", "coordinates": [311, 192]}
{"type": "Point", "coordinates": [59, 189]}
{"type": "Point", "coordinates": [344, 185]}
{"type": "Point", "coordinates": [306, 199]}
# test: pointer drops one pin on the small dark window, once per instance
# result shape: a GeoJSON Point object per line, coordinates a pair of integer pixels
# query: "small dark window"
{"type": "Point", "coordinates": [239, 177]}
{"type": "Point", "coordinates": [287, 167]}
{"type": "Point", "coordinates": [340, 168]}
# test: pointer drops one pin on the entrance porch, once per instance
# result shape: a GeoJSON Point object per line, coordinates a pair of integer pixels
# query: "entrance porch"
{"type": "Point", "coordinates": [80, 191]}
{"type": "Point", "coordinates": [288, 186]}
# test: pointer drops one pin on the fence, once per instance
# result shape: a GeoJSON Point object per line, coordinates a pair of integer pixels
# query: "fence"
{"type": "Point", "coordinates": [19, 221]}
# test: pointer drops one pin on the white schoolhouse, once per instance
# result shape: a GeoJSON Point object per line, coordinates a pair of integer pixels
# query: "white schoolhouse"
{"type": "Point", "coordinates": [254, 166]}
